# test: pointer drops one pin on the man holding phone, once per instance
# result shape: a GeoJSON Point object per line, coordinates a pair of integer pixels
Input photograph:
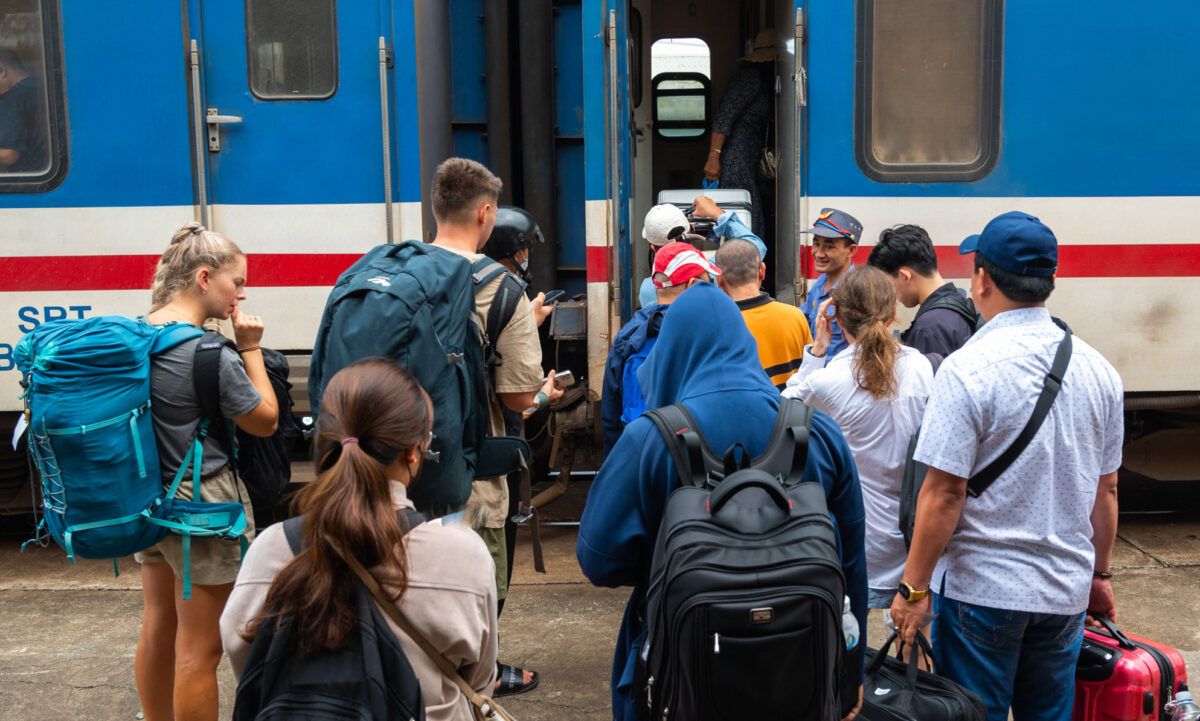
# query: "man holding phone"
{"type": "Point", "coordinates": [835, 238]}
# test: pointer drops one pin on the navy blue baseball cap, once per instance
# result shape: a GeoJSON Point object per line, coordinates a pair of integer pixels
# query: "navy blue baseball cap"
{"type": "Point", "coordinates": [1018, 243]}
{"type": "Point", "coordinates": [833, 223]}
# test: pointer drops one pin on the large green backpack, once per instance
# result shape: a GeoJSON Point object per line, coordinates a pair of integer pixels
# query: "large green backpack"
{"type": "Point", "coordinates": [414, 304]}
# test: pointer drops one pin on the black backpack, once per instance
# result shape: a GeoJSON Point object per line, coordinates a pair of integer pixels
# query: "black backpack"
{"type": "Point", "coordinates": [367, 678]}
{"type": "Point", "coordinates": [744, 607]}
{"type": "Point", "coordinates": [504, 304]}
{"type": "Point", "coordinates": [264, 464]}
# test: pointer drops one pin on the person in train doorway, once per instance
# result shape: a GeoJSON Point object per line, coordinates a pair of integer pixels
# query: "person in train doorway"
{"type": "Point", "coordinates": [945, 318]}
{"type": "Point", "coordinates": [835, 238]}
{"type": "Point", "coordinates": [23, 129]}
{"type": "Point", "coordinates": [740, 125]}
{"type": "Point", "coordinates": [1011, 571]}
{"type": "Point", "coordinates": [667, 222]}
{"type": "Point", "coordinates": [677, 267]}
{"type": "Point", "coordinates": [780, 329]}
{"type": "Point", "coordinates": [465, 195]}
{"type": "Point", "coordinates": [706, 359]}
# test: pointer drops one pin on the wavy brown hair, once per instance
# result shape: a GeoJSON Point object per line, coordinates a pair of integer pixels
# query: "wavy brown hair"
{"type": "Point", "coordinates": [866, 302]}
{"type": "Point", "coordinates": [350, 503]}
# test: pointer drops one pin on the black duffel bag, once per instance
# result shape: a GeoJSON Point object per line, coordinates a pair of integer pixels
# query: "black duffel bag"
{"type": "Point", "coordinates": [896, 690]}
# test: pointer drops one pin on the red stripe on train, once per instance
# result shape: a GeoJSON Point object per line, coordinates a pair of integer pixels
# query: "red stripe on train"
{"type": "Point", "coordinates": [135, 272]}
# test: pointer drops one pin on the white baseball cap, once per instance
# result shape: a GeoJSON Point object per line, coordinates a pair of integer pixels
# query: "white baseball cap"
{"type": "Point", "coordinates": [665, 223]}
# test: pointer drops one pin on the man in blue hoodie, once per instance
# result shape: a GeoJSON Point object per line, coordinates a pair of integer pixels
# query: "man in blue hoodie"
{"type": "Point", "coordinates": [706, 359]}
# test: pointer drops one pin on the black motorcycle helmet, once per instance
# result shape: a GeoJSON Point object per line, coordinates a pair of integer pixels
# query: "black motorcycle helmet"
{"type": "Point", "coordinates": [515, 231]}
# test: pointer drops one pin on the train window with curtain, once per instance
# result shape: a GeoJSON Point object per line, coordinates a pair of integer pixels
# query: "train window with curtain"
{"type": "Point", "coordinates": [291, 49]}
{"type": "Point", "coordinates": [680, 71]}
{"type": "Point", "coordinates": [33, 142]}
{"type": "Point", "coordinates": [928, 89]}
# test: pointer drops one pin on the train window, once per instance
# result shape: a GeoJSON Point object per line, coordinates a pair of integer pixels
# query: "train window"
{"type": "Point", "coordinates": [291, 48]}
{"type": "Point", "coordinates": [680, 72]}
{"type": "Point", "coordinates": [33, 147]}
{"type": "Point", "coordinates": [928, 89]}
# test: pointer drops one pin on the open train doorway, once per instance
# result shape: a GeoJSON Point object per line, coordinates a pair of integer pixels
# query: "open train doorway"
{"type": "Point", "coordinates": [694, 71]}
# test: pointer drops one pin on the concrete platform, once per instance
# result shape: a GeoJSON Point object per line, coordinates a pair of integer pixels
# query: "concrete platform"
{"type": "Point", "coordinates": [69, 632]}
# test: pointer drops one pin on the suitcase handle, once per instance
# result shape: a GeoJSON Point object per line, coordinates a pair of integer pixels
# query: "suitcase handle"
{"type": "Point", "coordinates": [1120, 637]}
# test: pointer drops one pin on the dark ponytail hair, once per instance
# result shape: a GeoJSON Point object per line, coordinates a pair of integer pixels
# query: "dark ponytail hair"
{"type": "Point", "coordinates": [372, 413]}
{"type": "Point", "coordinates": [866, 302]}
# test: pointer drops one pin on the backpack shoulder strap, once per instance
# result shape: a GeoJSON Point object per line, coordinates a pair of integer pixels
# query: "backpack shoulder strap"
{"type": "Point", "coordinates": [955, 302]}
{"type": "Point", "coordinates": [787, 451]}
{"type": "Point", "coordinates": [409, 519]}
{"type": "Point", "coordinates": [206, 381]}
{"type": "Point", "coordinates": [1050, 387]}
{"type": "Point", "coordinates": [504, 305]}
{"type": "Point", "coordinates": [483, 270]}
{"type": "Point", "coordinates": [684, 442]}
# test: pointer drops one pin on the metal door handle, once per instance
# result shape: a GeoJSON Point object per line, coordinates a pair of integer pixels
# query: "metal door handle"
{"type": "Point", "coordinates": [214, 120]}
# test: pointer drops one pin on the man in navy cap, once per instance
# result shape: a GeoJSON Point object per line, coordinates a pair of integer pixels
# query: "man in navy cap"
{"type": "Point", "coordinates": [835, 238]}
{"type": "Point", "coordinates": [1013, 569]}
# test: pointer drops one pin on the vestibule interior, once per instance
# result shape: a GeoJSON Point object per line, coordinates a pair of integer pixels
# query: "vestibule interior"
{"type": "Point", "coordinates": [685, 53]}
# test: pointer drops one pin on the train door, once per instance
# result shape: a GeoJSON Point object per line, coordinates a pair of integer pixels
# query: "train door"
{"type": "Point", "coordinates": [690, 58]}
{"type": "Point", "coordinates": [292, 135]}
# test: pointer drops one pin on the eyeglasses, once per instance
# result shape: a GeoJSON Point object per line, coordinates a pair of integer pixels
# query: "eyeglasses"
{"type": "Point", "coordinates": [829, 224]}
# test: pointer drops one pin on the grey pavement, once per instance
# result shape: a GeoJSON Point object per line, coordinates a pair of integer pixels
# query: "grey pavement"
{"type": "Point", "coordinates": [69, 632]}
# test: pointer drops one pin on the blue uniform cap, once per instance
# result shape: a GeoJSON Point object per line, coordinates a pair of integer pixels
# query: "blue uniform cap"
{"type": "Point", "coordinates": [833, 223]}
{"type": "Point", "coordinates": [1018, 243]}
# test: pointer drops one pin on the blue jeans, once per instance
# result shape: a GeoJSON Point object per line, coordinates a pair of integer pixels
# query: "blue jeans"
{"type": "Point", "coordinates": [1009, 658]}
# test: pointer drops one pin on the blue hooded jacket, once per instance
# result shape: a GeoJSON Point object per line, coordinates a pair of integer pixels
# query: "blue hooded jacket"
{"type": "Point", "coordinates": [706, 359]}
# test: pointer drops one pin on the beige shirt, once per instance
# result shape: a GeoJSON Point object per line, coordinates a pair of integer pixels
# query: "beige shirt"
{"type": "Point", "coordinates": [451, 598]}
{"type": "Point", "coordinates": [519, 372]}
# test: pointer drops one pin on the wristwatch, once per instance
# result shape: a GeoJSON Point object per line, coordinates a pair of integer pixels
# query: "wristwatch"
{"type": "Point", "coordinates": [910, 594]}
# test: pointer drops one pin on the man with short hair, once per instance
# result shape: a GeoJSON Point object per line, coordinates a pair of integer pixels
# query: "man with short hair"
{"type": "Point", "coordinates": [780, 329]}
{"type": "Point", "coordinates": [835, 238]}
{"type": "Point", "coordinates": [945, 317]}
{"type": "Point", "coordinates": [464, 196]}
{"type": "Point", "coordinates": [622, 399]}
{"type": "Point", "coordinates": [23, 129]}
{"type": "Point", "coordinates": [1013, 570]}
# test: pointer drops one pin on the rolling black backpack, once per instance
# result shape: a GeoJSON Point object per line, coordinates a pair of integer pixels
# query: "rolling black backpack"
{"type": "Point", "coordinates": [367, 678]}
{"type": "Point", "coordinates": [744, 607]}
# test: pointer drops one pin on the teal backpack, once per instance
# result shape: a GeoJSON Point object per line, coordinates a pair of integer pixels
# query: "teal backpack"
{"type": "Point", "coordinates": [414, 304]}
{"type": "Point", "coordinates": [91, 438]}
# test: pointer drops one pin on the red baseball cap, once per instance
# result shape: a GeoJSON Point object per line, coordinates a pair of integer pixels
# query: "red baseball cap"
{"type": "Point", "coordinates": [681, 262]}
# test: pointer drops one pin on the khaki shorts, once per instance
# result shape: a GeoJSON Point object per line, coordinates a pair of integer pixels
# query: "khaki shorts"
{"type": "Point", "coordinates": [215, 561]}
{"type": "Point", "coordinates": [493, 538]}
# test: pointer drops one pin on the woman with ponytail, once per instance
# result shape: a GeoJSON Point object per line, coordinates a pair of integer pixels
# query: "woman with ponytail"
{"type": "Point", "coordinates": [201, 276]}
{"type": "Point", "coordinates": [876, 392]}
{"type": "Point", "coordinates": [372, 435]}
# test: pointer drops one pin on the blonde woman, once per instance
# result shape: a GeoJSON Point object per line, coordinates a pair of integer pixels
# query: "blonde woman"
{"type": "Point", "coordinates": [201, 275]}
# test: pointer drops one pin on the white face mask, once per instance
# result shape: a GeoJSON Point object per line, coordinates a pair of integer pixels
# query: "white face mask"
{"type": "Point", "coordinates": [524, 264]}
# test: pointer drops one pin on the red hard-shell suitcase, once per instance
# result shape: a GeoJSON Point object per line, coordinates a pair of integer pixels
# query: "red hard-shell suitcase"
{"type": "Point", "coordinates": [1123, 677]}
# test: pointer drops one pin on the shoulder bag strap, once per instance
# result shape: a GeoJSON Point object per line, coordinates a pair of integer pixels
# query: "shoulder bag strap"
{"type": "Point", "coordinates": [980, 481]}
{"type": "Point", "coordinates": [484, 707]}
{"type": "Point", "coordinates": [683, 440]}
{"type": "Point", "coordinates": [294, 532]}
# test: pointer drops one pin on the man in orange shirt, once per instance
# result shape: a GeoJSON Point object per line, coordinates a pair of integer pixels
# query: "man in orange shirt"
{"type": "Point", "coordinates": [780, 329]}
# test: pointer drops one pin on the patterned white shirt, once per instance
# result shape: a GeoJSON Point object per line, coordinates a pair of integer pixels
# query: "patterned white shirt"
{"type": "Point", "coordinates": [1025, 544]}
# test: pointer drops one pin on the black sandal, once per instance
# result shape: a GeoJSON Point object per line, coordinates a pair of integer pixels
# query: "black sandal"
{"type": "Point", "coordinates": [511, 680]}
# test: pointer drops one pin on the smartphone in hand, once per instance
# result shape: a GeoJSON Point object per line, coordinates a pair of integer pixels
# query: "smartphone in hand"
{"type": "Point", "coordinates": [563, 379]}
{"type": "Point", "coordinates": [553, 296]}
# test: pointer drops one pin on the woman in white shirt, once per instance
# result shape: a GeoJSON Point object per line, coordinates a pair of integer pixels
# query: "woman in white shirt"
{"type": "Point", "coordinates": [374, 430]}
{"type": "Point", "coordinates": [876, 392]}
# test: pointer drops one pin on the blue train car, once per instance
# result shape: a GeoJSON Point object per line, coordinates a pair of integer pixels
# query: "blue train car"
{"type": "Point", "coordinates": [308, 131]}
